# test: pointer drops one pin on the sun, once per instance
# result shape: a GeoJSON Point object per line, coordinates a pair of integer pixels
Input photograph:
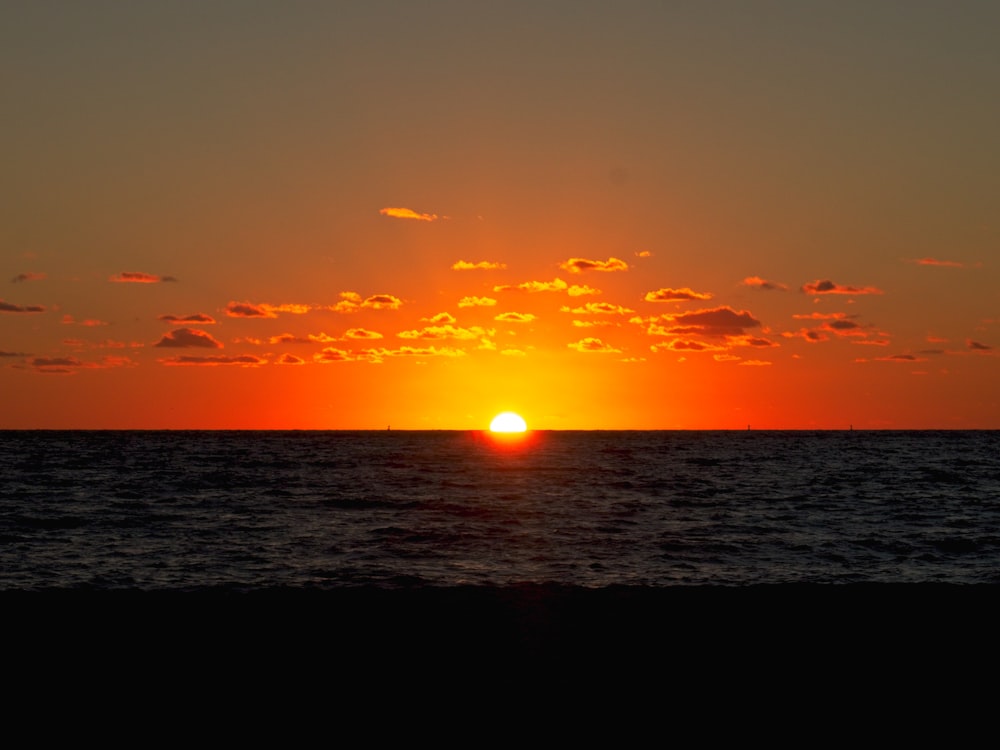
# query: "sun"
{"type": "Point", "coordinates": [508, 421]}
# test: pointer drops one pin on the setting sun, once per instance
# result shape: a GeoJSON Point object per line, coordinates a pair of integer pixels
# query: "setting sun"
{"type": "Point", "coordinates": [508, 421]}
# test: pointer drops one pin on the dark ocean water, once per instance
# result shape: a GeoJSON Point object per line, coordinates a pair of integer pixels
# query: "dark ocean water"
{"type": "Point", "coordinates": [247, 511]}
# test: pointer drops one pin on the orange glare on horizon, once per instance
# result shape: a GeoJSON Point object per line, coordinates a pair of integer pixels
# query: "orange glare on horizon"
{"type": "Point", "coordinates": [508, 421]}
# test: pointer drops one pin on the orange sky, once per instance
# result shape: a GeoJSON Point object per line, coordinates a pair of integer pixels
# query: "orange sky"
{"type": "Point", "coordinates": [652, 215]}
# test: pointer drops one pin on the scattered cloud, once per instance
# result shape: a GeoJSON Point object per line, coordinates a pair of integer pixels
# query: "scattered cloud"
{"type": "Point", "coordinates": [578, 290]}
{"type": "Point", "coordinates": [643, 254]}
{"type": "Point", "coordinates": [196, 319]}
{"type": "Point", "coordinates": [828, 287]}
{"type": "Point", "coordinates": [409, 351]}
{"type": "Point", "coordinates": [331, 354]}
{"type": "Point", "coordinates": [936, 262]}
{"type": "Point", "coordinates": [686, 345]}
{"type": "Point", "coordinates": [515, 317]}
{"type": "Point", "coordinates": [754, 363]}
{"type": "Point", "coordinates": [556, 285]}
{"type": "Point", "coordinates": [362, 333]}
{"type": "Point", "coordinates": [137, 277]}
{"type": "Point", "coordinates": [88, 322]}
{"type": "Point", "coordinates": [579, 265]}
{"type": "Point", "coordinates": [242, 360]}
{"type": "Point", "coordinates": [433, 333]}
{"type": "Point", "coordinates": [407, 213]}
{"type": "Point", "coordinates": [249, 310]}
{"type": "Point", "coordinates": [714, 322]}
{"type": "Point", "coordinates": [483, 265]}
{"type": "Point", "coordinates": [476, 302]}
{"type": "Point", "coordinates": [598, 308]}
{"type": "Point", "coordinates": [13, 354]}
{"type": "Point", "coordinates": [513, 353]}
{"type": "Point", "coordinates": [188, 337]}
{"type": "Point", "coordinates": [676, 295]}
{"type": "Point", "coordinates": [352, 302]}
{"type": "Point", "coordinates": [56, 362]}
{"type": "Point", "coordinates": [591, 323]}
{"type": "Point", "coordinates": [441, 318]}
{"type": "Point", "coordinates": [901, 358]}
{"type": "Point", "coordinates": [978, 347]}
{"type": "Point", "coordinates": [29, 276]}
{"type": "Point", "coordinates": [756, 282]}
{"type": "Point", "coordinates": [289, 359]}
{"type": "Point", "coordinates": [9, 307]}
{"type": "Point", "coordinates": [593, 345]}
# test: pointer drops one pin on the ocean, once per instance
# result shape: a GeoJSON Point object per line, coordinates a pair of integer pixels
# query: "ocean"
{"type": "Point", "coordinates": [168, 510]}
{"type": "Point", "coordinates": [720, 550]}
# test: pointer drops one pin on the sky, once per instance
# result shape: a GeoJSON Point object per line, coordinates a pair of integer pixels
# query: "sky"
{"type": "Point", "coordinates": [633, 215]}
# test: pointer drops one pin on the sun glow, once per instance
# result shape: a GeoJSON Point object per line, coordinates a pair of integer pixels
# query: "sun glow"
{"type": "Point", "coordinates": [508, 421]}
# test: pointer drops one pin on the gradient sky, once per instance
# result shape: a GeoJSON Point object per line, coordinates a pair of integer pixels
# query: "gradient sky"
{"type": "Point", "coordinates": [676, 215]}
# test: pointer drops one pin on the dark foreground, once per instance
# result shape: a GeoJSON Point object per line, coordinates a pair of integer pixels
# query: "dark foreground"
{"type": "Point", "coordinates": [468, 626]}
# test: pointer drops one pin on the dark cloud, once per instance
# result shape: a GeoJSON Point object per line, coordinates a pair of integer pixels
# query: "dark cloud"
{"type": "Point", "coordinates": [719, 321]}
{"type": "Point", "coordinates": [196, 319]}
{"type": "Point", "coordinates": [977, 346]}
{"type": "Point", "coordinates": [828, 287]}
{"type": "Point", "coordinates": [676, 295]}
{"type": "Point", "coordinates": [245, 360]}
{"type": "Point", "coordinates": [188, 338]}
{"type": "Point", "coordinates": [579, 265]}
{"type": "Point", "coordinates": [758, 283]}
{"type": "Point", "coordinates": [9, 307]}
{"type": "Point", "coordinates": [137, 277]}
{"type": "Point", "coordinates": [29, 276]}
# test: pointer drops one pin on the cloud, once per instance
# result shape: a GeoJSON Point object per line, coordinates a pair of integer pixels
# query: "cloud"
{"type": "Point", "coordinates": [936, 262]}
{"type": "Point", "coordinates": [13, 354]}
{"type": "Point", "coordinates": [675, 295]}
{"type": "Point", "coordinates": [289, 359]}
{"type": "Point", "coordinates": [476, 302]}
{"type": "Point", "coordinates": [483, 265]}
{"type": "Point", "coordinates": [598, 308]}
{"type": "Point", "coordinates": [361, 333]}
{"type": "Point", "coordinates": [591, 323]}
{"type": "Point", "coordinates": [715, 322]}
{"type": "Point", "coordinates": [248, 310]}
{"type": "Point", "coordinates": [593, 345]}
{"type": "Point", "coordinates": [434, 333]}
{"type": "Point", "coordinates": [579, 265]}
{"type": "Point", "coordinates": [407, 213]}
{"type": "Point", "coordinates": [556, 285]}
{"type": "Point", "coordinates": [515, 317]}
{"type": "Point", "coordinates": [188, 337]}
{"type": "Point", "coordinates": [685, 345]}
{"type": "Point", "coordinates": [243, 360]}
{"type": "Point", "coordinates": [754, 363]}
{"type": "Point", "coordinates": [580, 291]}
{"type": "Point", "coordinates": [137, 277]}
{"type": "Point", "coordinates": [828, 287]}
{"type": "Point", "coordinates": [441, 318]}
{"type": "Point", "coordinates": [56, 362]}
{"type": "Point", "coordinates": [757, 282]}
{"type": "Point", "coordinates": [900, 358]}
{"type": "Point", "coordinates": [89, 322]}
{"type": "Point", "coordinates": [409, 351]}
{"type": "Point", "coordinates": [643, 254]}
{"type": "Point", "coordinates": [331, 354]}
{"type": "Point", "coordinates": [513, 353]}
{"type": "Point", "coordinates": [978, 347]}
{"type": "Point", "coordinates": [196, 319]}
{"type": "Point", "coordinates": [264, 310]}
{"type": "Point", "coordinates": [29, 276]}
{"type": "Point", "coordinates": [9, 307]}
{"type": "Point", "coordinates": [352, 302]}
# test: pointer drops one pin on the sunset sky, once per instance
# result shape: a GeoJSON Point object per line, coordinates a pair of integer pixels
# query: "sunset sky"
{"type": "Point", "coordinates": [628, 215]}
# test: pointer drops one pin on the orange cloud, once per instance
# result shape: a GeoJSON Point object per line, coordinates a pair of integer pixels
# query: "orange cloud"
{"type": "Point", "coordinates": [136, 277]}
{"type": "Point", "coordinates": [12, 308]}
{"type": "Point", "coordinates": [89, 322]}
{"type": "Point", "coordinates": [407, 213]}
{"type": "Point", "coordinates": [579, 265]}
{"type": "Point", "coordinates": [409, 351]}
{"type": "Point", "coordinates": [352, 302]}
{"type": "Point", "coordinates": [290, 359]}
{"type": "Point", "coordinates": [598, 308]}
{"type": "Point", "coordinates": [333, 355]}
{"type": "Point", "coordinates": [643, 254]}
{"type": "Point", "coordinates": [515, 317]}
{"type": "Point", "coordinates": [758, 283]}
{"type": "Point", "coordinates": [29, 276]}
{"type": "Point", "coordinates": [196, 319]}
{"type": "Point", "coordinates": [248, 310]}
{"type": "Point", "coordinates": [675, 295]}
{"type": "Point", "coordinates": [828, 287]}
{"type": "Point", "coordinates": [476, 302]}
{"type": "Point", "coordinates": [445, 332]}
{"type": "Point", "coordinates": [936, 262]}
{"type": "Point", "coordinates": [188, 337]}
{"type": "Point", "coordinates": [715, 322]}
{"type": "Point", "coordinates": [556, 285]}
{"type": "Point", "coordinates": [977, 346]}
{"type": "Point", "coordinates": [593, 345]}
{"type": "Point", "coordinates": [483, 265]}
{"type": "Point", "coordinates": [441, 318]}
{"type": "Point", "coordinates": [684, 345]}
{"type": "Point", "coordinates": [361, 333]}
{"type": "Point", "coordinates": [243, 360]}
{"type": "Point", "coordinates": [581, 291]}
